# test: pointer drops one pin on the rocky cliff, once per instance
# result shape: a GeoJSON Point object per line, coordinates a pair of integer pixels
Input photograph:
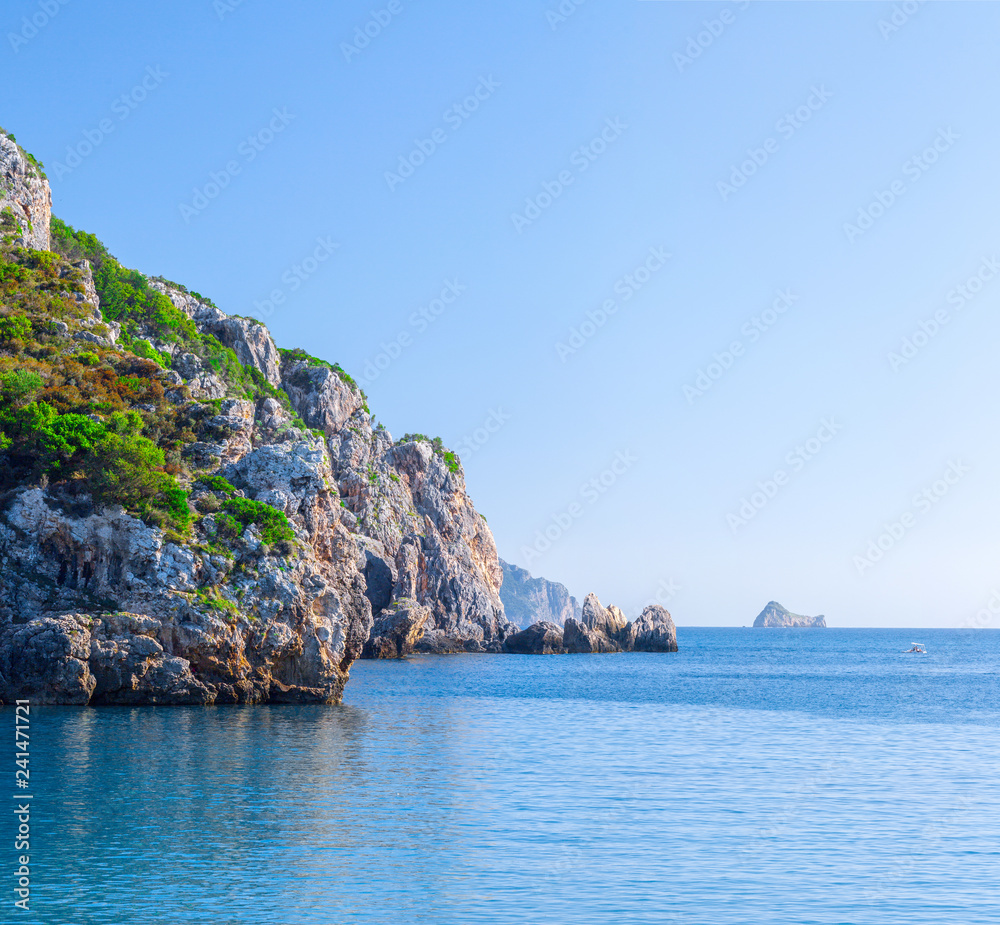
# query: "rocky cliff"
{"type": "Point", "coordinates": [527, 600]}
{"type": "Point", "coordinates": [425, 547]}
{"type": "Point", "coordinates": [188, 514]}
{"type": "Point", "coordinates": [599, 629]}
{"type": "Point", "coordinates": [25, 197]}
{"type": "Point", "coordinates": [774, 615]}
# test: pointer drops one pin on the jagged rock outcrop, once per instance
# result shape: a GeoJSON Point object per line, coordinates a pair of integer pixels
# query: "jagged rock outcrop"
{"type": "Point", "coordinates": [599, 629]}
{"type": "Point", "coordinates": [527, 600]}
{"type": "Point", "coordinates": [322, 397]}
{"type": "Point", "coordinates": [248, 339]}
{"type": "Point", "coordinates": [774, 615]}
{"type": "Point", "coordinates": [408, 502]}
{"type": "Point", "coordinates": [24, 191]}
{"type": "Point", "coordinates": [397, 630]}
{"type": "Point", "coordinates": [542, 638]}
{"type": "Point", "coordinates": [654, 631]}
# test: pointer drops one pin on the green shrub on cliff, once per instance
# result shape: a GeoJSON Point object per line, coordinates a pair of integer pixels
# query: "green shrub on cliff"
{"type": "Point", "coordinates": [217, 483]}
{"type": "Point", "coordinates": [143, 348]}
{"type": "Point", "coordinates": [120, 465]}
{"type": "Point", "coordinates": [272, 523]}
{"type": "Point", "coordinates": [19, 385]}
{"type": "Point", "coordinates": [15, 327]}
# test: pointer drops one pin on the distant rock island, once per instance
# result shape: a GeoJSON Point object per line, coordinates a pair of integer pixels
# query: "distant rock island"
{"type": "Point", "coordinates": [527, 600]}
{"type": "Point", "coordinates": [776, 615]}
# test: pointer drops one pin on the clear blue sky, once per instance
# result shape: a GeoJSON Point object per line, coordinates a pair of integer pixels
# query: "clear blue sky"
{"type": "Point", "coordinates": [673, 131]}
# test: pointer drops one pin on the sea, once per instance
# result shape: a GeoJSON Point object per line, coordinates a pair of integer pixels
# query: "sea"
{"type": "Point", "coordinates": [755, 776]}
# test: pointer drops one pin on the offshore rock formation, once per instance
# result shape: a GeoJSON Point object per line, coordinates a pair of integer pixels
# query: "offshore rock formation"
{"type": "Point", "coordinates": [599, 629]}
{"type": "Point", "coordinates": [542, 638]}
{"type": "Point", "coordinates": [526, 599]}
{"type": "Point", "coordinates": [25, 192]}
{"type": "Point", "coordinates": [776, 615]}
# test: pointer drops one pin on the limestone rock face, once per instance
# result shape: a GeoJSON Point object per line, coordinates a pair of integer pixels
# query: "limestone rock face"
{"type": "Point", "coordinates": [542, 638]}
{"type": "Point", "coordinates": [249, 339]}
{"type": "Point", "coordinates": [654, 631]}
{"type": "Point", "coordinates": [600, 629]}
{"type": "Point", "coordinates": [426, 542]}
{"type": "Point", "coordinates": [26, 193]}
{"type": "Point", "coordinates": [251, 343]}
{"type": "Point", "coordinates": [408, 502]}
{"type": "Point", "coordinates": [397, 630]}
{"type": "Point", "coordinates": [323, 399]}
{"type": "Point", "coordinates": [527, 600]}
{"type": "Point", "coordinates": [97, 607]}
{"type": "Point", "coordinates": [774, 615]}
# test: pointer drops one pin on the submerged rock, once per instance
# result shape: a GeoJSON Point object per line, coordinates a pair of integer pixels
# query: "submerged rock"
{"type": "Point", "coordinates": [774, 615]}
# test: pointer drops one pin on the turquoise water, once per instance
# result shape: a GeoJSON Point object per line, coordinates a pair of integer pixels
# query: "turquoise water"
{"type": "Point", "coordinates": [775, 776]}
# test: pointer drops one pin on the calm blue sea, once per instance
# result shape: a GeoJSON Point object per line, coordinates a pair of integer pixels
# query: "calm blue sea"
{"type": "Point", "coordinates": [768, 776]}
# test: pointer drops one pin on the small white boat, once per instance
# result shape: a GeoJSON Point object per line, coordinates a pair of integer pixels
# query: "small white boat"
{"type": "Point", "coordinates": [917, 649]}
